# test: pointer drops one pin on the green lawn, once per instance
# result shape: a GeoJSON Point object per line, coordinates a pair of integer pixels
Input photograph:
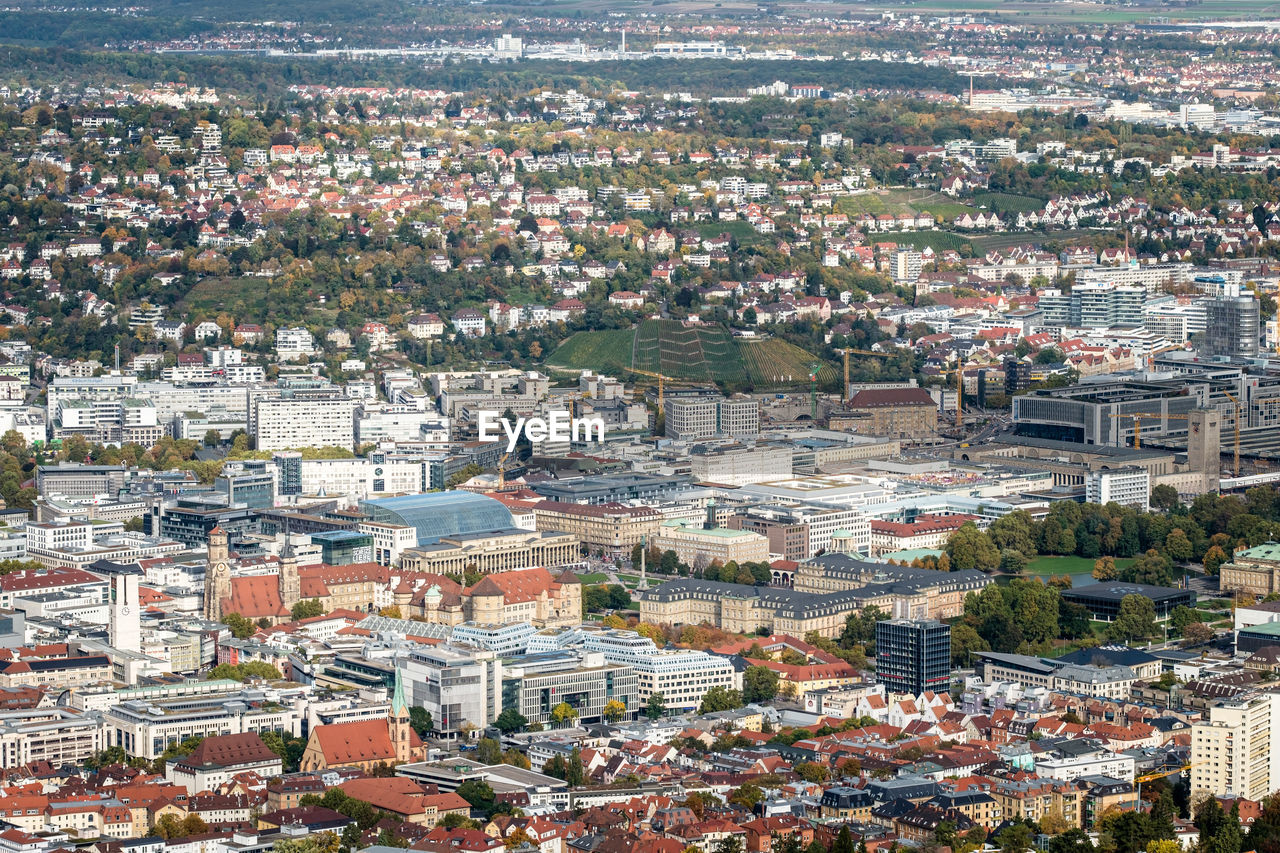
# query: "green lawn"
{"type": "Point", "coordinates": [898, 201]}
{"type": "Point", "coordinates": [594, 577]}
{"type": "Point", "coordinates": [1045, 566]}
{"type": "Point", "coordinates": [739, 229]}
{"type": "Point", "coordinates": [939, 241]}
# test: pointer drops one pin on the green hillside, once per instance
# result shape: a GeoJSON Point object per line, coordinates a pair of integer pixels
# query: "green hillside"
{"type": "Point", "coordinates": [692, 354]}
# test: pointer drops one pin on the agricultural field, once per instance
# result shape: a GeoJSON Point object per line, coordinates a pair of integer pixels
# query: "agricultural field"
{"type": "Point", "coordinates": [693, 354]}
{"type": "Point", "coordinates": [775, 363]}
{"type": "Point", "coordinates": [607, 351]}
{"type": "Point", "coordinates": [987, 242]}
{"type": "Point", "coordinates": [239, 297]}
{"type": "Point", "coordinates": [1008, 203]}
{"type": "Point", "coordinates": [705, 354]}
{"type": "Point", "coordinates": [940, 241]}
{"type": "Point", "coordinates": [899, 201]}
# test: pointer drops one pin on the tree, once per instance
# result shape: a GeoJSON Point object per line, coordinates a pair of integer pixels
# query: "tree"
{"type": "Point", "coordinates": [478, 794]}
{"type": "Point", "coordinates": [964, 642]}
{"type": "Point", "coordinates": [420, 720]}
{"type": "Point", "coordinates": [747, 796]}
{"type": "Point", "coordinates": [614, 710]}
{"type": "Point", "coordinates": [1182, 616]}
{"type": "Point", "coordinates": [1177, 545]}
{"type": "Point", "coordinates": [1015, 531]}
{"type": "Point", "coordinates": [307, 609]}
{"type": "Point", "coordinates": [1013, 562]}
{"type": "Point", "coordinates": [510, 720]}
{"type": "Point", "coordinates": [656, 706]}
{"type": "Point", "coordinates": [728, 844]}
{"type": "Point", "coordinates": [811, 771]}
{"type": "Point", "coordinates": [720, 698]}
{"type": "Point", "coordinates": [489, 751]}
{"type": "Point", "coordinates": [564, 714]}
{"type": "Point", "coordinates": [843, 842]}
{"type": "Point", "coordinates": [241, 628]}
{"type": "Point", "coordinates": [1136, 619]}
{"type": "Point", "coordinates": [1104, 568]}
{"type": "Point", "coordinates": [1196, 634]}
{"type": "Point", "coordinates": [1074, 840]}
{"type": "Point", "coordinates": [1165, 497]}
{"type": "Point", "coordinates": [170, 826]}
{"type": "Point", "coordinates": [1053, 823]}
{"type": "Point", "coordinates": [1151, 568]}
{"type": "Point", "coordinates": [453, 820]}
{"type": "Point", "coordinates": [970, 548]}
{"type": "Point", "coordinates": [759, 684]}
{"type": "Point", "coordinates": [1015, 838]}
{"type": "Point", "coordinates": [212, 438]}
{"type": "Point", "coordinates": [556, 767]}
{"type": "Point", "coordinates": [1213, 559]}
{"type": "Point", "coordinates": [515, 758]}
{"type": "Point", "coordinates": [575, 773]}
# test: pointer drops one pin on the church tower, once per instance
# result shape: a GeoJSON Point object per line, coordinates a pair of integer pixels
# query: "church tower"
{"type": "Point", "coordinates": [290, 584]}
{"type": "Point", "coordinates": [217, 577]}
{"type": "Point", "coordinates": [399, 723]}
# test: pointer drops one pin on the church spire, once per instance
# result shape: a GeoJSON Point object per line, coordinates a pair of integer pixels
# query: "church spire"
{"type": "Point", "coordinates": [398, 704]}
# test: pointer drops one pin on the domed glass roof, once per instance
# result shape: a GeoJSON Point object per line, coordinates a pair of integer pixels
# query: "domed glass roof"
{"type": "Point", "coordinates": [439, 514]}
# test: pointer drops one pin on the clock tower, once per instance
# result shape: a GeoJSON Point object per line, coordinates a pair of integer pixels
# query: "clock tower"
{"type": "Point", "coordinates": [125, 609]}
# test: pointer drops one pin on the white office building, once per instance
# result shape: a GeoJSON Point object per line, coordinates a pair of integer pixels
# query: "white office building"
{"type": "Point", "coordinates": [286, 423]}
{"type": "Point", "coordinates": [680, 675]}
{"type": "Point", "coordinates": [1124, 486]}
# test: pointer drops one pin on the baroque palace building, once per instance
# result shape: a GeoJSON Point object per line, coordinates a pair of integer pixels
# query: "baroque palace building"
{"type": "Point", "coordinates": [493, 551]}
{"type": "Point", "coordinates": [827, 590]}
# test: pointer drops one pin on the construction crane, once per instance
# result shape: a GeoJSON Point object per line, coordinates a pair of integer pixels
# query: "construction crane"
{"type": "Point", "coordinates": [662, 378]}
{"type": "Point", "coordinates": [814, 370]}
{"type": "Point", "coordinates": [844, 397]}
{"type": "Point", "coordinates": [1236, 428]}
{"type": "Point", "coordinates": [1137, 417]}
{"type": "Point", "coordinates": [1160, 774]}
{"type": "Point", "coordinates": [502, 472]}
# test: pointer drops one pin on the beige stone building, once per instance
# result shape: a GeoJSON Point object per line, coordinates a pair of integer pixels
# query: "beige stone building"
{"type": "Point", "coordinates": [529, 595]}
{"type": "Point", "coordinates": [698, 546]}
{"type": "Point", "coordinates": [844, 586]}
{"type": "Point", "coordinates": [501, 551]}
{"type": "Point", "coordinates": [603, 528]}
{"type": "Point", "coordinates": [1254, 570]}
{"type": "Point", "coordinates": [895, 412]}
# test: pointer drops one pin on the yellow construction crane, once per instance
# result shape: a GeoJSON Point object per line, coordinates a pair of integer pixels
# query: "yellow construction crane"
{"type": "Point", "coordinates": [502, 472]}
{"type": "Point", "coordinates": [662, 378]}
{"type": "Point", "coordinates": [844, 397]}
{"type": "Point", "coordinates": [1137, 417]}
{"type": "Point", "coordinates": [1236, 428]}
{"type": "Point", "coordinates": [1160, 774]}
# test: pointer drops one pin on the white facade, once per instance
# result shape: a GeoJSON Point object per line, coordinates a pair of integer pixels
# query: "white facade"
{"type": "Point", "coordinates": [288, 423]}
{"type": "Point", "coordinates": [680, 675]}
{"type": "Point", "coordinates": [1126, 486]}
{"type": "Point", "coordinates": [1232, 753]}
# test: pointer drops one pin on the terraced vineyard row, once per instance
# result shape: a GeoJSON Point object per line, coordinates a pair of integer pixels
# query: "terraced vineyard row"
{"type": "Point", "coordinates": [775, 363]}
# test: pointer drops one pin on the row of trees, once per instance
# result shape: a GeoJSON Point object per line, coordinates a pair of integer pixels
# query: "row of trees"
{"type": "Point", "coordinates": [1207, 531]}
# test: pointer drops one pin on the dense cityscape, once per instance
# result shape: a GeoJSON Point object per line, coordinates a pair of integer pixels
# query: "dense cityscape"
{"type": "Point", "coordinates": [655, 425]}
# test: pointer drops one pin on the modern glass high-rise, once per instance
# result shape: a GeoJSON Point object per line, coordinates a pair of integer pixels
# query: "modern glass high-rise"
{"type": "Point", "coordinates": [1232, 326]}
{"type": "Point", "coordinates": [913, 655]}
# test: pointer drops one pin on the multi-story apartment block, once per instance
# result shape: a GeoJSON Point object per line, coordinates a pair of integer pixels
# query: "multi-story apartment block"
{"type": "Point", "coordinates": [1232, 752]}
